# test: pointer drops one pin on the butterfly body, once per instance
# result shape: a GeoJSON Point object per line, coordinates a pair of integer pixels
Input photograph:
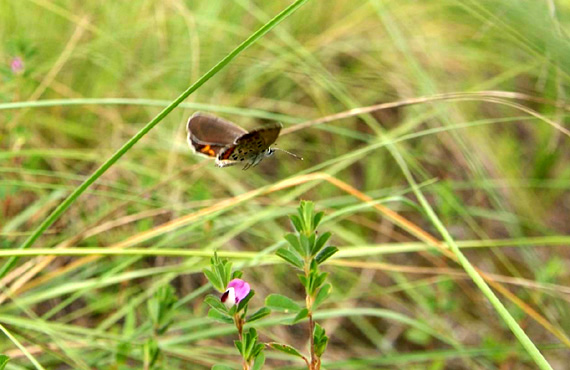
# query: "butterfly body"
{"type": "Point", "coordinates": [228, 143]}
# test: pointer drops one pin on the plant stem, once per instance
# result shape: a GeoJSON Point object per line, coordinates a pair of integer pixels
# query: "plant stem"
{"type": "Point", "coordinates": [311, 331]}
{"type": "Point", "coordinates": [309, 303]}
{"type": "Point", "coordinates": [239, 325]}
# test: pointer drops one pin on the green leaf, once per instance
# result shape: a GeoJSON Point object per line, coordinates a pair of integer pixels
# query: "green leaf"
{"type": "Point", "coordinates": [300, 316]}
{"type": "Point", "coordinates": [296, 221]}
{"type": "Point", "coordinates": [304, 226]}
{"type": "Point", "coordinates": [321, 346]}
{"type": "Point", "coordinates": [250, 340]}
{"type": "Point", "coordinates": [214, 280]}
{"type": "Point", "coordinates": [306, 209]}
{"type": "Point", "coordinates": [237, 274]}
{"type": "Point", "coordinates": [220, 270]}
{"type": "Point", "coordinates": [314, 266]}
{"type": "Point", "coordinates": [3, 361]}
{"type": "Point", "coordinates": [151, 352]}
{"type": "Point", "coordinates": [219, 317]}
{"type": "Point", "coordinates": [262, 312]}
{"type": "Point", "coordinates": [215, 303]}
{"type": "Point", "coordinates": [281, 303]}
{"type": "Point", "coordinates": [320, 339]}
{"type": "Point", "coordinates": [321, 241]}
{"type": "Point", "coordinates": [303, 279]}
{"type": "Point", "coordinates": [214, 260]}
{"type": "Point", "coordinates": [326, 254]}
{"type": "Point", "coordinates": [245, 301]}
{"type": "Point", "coordinates": [228, 270]}
{"type": "Point", "coordinates": [290, 257]}
{"type": "Point", "coordinates": [258, 363]}
{"type": "Point", "coordinates": [221, 367]}
{"type": "Point", "coordinates": [316, 280]}
{"type": "Point", "coordinates": [294, 241]}
{"type": "Point", "coordinates": [318, 332]}
{"type": "Point", "coordinates": [239, 346]}
{"type": "Point", "coordinates": [323, 294]}
{"type": "Point", "coordinates": [317, 219]}
{"type": "Point", "coordinates": [319, 280]}
{"type": "Point", "coordinates": [306, 244]}
{"type": "Point", "coordinates": [286, 349]}
{"type": "Point", "coordinates": [312, 239]}
{"type": "Point", "coordinates": [257, 350]}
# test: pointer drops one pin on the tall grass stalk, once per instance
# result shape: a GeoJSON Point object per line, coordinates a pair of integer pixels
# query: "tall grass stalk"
{"type": "Point", "coordinates": [509, 320]}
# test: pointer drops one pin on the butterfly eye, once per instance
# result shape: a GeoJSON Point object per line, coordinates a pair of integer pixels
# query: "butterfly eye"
{"type": "Point", "coordinates": [269, 152]}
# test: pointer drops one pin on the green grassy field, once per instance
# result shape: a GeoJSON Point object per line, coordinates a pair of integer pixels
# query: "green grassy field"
{"type": "Point", "coordinates": [434, 136]}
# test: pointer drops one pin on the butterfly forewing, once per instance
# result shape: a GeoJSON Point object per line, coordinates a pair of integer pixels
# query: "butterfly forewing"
{"type": "Point", "coordinates": [249, 148]}
{"type": "Point", "coordinates": [209, 135]}
{"type": "Point", "coordinates": [261, 138]}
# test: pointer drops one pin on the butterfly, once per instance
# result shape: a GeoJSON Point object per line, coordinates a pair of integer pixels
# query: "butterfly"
{"type": "Point", "coordinates": [230, 144]}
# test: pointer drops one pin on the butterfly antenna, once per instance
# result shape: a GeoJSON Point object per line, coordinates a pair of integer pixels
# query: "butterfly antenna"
{"type": "Point", "coordinates": [291, 154]}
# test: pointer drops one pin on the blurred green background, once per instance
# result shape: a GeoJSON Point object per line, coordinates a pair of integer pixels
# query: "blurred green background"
{"type": "Point", "coordinates": [79, 78]}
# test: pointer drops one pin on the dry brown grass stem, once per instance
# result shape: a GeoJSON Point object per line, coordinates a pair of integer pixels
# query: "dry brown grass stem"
{"type": "Point", "coordinates": [496, 97]}
{"type": "Point", "coordinates": [288, 183]}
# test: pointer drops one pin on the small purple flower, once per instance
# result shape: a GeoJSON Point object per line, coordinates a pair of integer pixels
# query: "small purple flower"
{"type": "Point", "coordinates": [17, 66]}
{"type": "Point", "coordinates": [237, 290]}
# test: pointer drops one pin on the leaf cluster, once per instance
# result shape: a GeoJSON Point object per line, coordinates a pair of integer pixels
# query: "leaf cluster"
{"type": "Point", "coordinates": [305, 245]}
{"type": "Point", "coordinates": [250, 348]}
{"type": "Point", "coordinates": [320, 339]}
{"type": "Point", "coordinates": [220, 273]}
{"type": "Point", "coordinates": [306, 250]}
{"type": "Point", "coordinates": [219, 312]}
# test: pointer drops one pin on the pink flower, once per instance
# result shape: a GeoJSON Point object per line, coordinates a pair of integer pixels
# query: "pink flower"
{"type": "Point", "coordinates": [236, 291]}
{"type": "Point", "coordinates": [17, 66]}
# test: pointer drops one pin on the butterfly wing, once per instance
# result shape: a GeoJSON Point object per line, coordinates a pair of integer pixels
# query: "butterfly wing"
{"type": "Point", "coordinates": [248, 147]}
{"type": "Point", "coordinates": [261, 138]}
{"type": "Point", "coordinates": [208, 135]}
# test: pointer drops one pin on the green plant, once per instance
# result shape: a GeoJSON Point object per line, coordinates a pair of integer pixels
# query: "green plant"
{"type": "Point", "coordinates": [232, 308]}
{"type": "Point", "coordinates": [306, 252]}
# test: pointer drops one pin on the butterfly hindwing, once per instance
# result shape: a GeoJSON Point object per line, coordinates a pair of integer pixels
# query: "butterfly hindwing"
{"type": "Point", "coordinates": [249, 148]}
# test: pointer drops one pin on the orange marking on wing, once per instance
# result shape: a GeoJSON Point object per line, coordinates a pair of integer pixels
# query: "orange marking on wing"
{"type": "Point", "coordinates": [206, 149]}
{"type": "Point", "coordinates": [227, 153]}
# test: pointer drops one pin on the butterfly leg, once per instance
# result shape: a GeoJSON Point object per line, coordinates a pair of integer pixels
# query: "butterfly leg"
{"type": "Point", "coordinates": [257, 160]}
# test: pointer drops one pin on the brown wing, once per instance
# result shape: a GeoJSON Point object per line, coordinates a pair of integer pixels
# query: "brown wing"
{"type": "Point", "coordinates": [262, 137]}
{"type": "Point", "coordinates": [251, 144]}
{"type": "Point", "coordinates": [206, 129]}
